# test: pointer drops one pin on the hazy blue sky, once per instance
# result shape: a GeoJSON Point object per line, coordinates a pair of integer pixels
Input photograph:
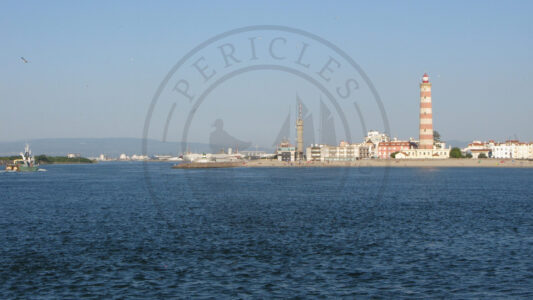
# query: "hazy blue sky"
{"type": "Point", "coordinates": [94, 66]}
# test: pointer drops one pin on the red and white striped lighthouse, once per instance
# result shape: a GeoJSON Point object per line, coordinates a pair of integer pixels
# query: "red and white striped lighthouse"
{"type": "Point", "coordinates": [426, 115]}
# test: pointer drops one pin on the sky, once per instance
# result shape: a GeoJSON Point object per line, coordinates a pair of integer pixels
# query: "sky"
{"type": "Point", "coordinates": [94, 67]}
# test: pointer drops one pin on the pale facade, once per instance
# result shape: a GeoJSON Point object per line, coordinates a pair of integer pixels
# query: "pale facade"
{"type": "Point", "coordinates": [513, 150]}
{"type": "Point", "coordinates": [385, 149]}
{"type": "Point", "coordinates": [376, 137]}
{"type": "Point", "coordinates": [139, 157]}
{"type": "Point", "coordinates": [286, 151]}
{"type": "Point", "coordinates": [343, 152]}
{"type": "Point", "coordinates": [435, 153]}
{"type": "Point", "coordinates": [476, 148]}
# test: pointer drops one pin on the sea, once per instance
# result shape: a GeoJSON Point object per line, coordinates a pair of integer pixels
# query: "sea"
{"type": "Point", "coordinates": [144, 230]}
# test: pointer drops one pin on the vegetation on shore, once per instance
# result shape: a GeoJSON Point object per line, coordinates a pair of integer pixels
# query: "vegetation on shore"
{"type": "Point", "coordinates": [45, 159]}
{"type": "Point", "coordinates": [8, 159]}
{"type": "Point", "coordinates": [456, 153]}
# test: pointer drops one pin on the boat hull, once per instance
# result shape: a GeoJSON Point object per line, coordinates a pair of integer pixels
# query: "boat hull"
{"type": "Point", "coordinates": [28, 168]}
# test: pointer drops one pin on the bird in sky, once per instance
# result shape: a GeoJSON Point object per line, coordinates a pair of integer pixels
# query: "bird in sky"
{"type": "Point", "coordinates": [24, 60]}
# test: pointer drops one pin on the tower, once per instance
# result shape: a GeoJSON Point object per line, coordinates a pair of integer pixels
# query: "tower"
{"type": "Point", "coordinates": [300, 134]}
{"type": "Point", "coordinates": [426, 115]}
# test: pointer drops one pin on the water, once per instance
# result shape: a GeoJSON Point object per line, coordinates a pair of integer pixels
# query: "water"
{"type": "Point", "coordinates": [94, 231]}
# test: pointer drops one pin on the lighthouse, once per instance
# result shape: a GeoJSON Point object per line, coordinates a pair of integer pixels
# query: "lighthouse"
{"type": "Point", "coordinates": [426, 115]}
{"type": "Point", "coordinates": [426, 148]}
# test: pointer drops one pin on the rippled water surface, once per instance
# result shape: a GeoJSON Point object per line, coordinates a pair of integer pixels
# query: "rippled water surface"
{"type": "Point", "coordinates": [101, 231]}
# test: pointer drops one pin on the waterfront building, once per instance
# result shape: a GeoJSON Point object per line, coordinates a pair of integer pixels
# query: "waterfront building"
{"type": "Point", "coordinates": [424, 154]}
{"type": "Point", "coordinates": [385, 149]}
{"type": "Point", "coordinates": [73, 155]}
{"type": "Point", "coordinates": [286, 151]}
{"type": "Point", "coordinates": [476, 148]}
{"type": "Point", "coordinates": [139, 157]}
{"type": "Point", "coordinates": [343, 152]}
{"type": "Point", "coordinates": [365, 150]}
{"type": "Point", "coordinates": [314, 152]}
{"type": "Point", "coordinates": [512, 149]}
{"type": "Point", "coordinates": [372, 140]}
{"type": "Point", "coordinates": [376, 137]}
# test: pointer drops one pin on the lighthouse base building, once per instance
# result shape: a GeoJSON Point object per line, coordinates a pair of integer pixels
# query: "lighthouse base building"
{"type": "Point", "coordinates": [424, 154]}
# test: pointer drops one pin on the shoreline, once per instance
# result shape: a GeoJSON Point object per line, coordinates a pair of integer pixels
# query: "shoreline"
{"type": "Point", "coordinates": [444, 163]}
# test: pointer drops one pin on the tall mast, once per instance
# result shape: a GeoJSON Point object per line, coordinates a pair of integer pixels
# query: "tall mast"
{"type": "Point", "coordinates": [300, 134]}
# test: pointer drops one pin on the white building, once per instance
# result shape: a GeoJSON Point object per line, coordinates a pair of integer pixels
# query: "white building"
{"type": "Point", "coordinates": [139, 157]}
{"type": "Point", "coordinates": [343, 152]}
{"type": "Point", "coordinates": [376, 137]}
{"type": "Point", "coordinates": [435, 153]}
{"type": "Point", "coordinates": [476, 148]}
{"type": "Point", "coordinates": [513, 149]}
{"type": "Point", "coordinates": [372, 140]}
{"type": "Point", "coordinates": [286, 151]}
{"type": "Point", "coordinates": [73, 155]}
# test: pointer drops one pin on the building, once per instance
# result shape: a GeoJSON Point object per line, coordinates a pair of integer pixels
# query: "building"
{"type": "Point", "coordinates": [476, 148]}
{"type": "Point", "coordinates": [314, 152]}
{"type": "Point", "coordinates": [139, 157]}
{"type": "Point", "coordinates": [424, 154]}
{"type": "Point", "coordinates": [365, 150]}
{"type": "Point", "coordinates": [286, 151]}
{"type": "Point", "coordinates": [372, 140]}
{"type": "Point", "coordinates": [385, 149]}
{"type": "Point", "coordinates": [73, 155]}
{"type": "Point", "coordinates": [343, 152]}
{"type": "Point", "coordinates": [376, 137]}
{"type": "Point", "coordinates": [513, 149]}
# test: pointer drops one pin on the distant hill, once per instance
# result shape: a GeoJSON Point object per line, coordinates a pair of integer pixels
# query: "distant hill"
{"type": "Point", "coordinates": [113, 147]}
{"type": "Point", "coordinates": [92, 147]}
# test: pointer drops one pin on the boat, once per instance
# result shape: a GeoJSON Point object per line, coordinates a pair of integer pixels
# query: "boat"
{"type": "Point", "coordinates": [25, 164]}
